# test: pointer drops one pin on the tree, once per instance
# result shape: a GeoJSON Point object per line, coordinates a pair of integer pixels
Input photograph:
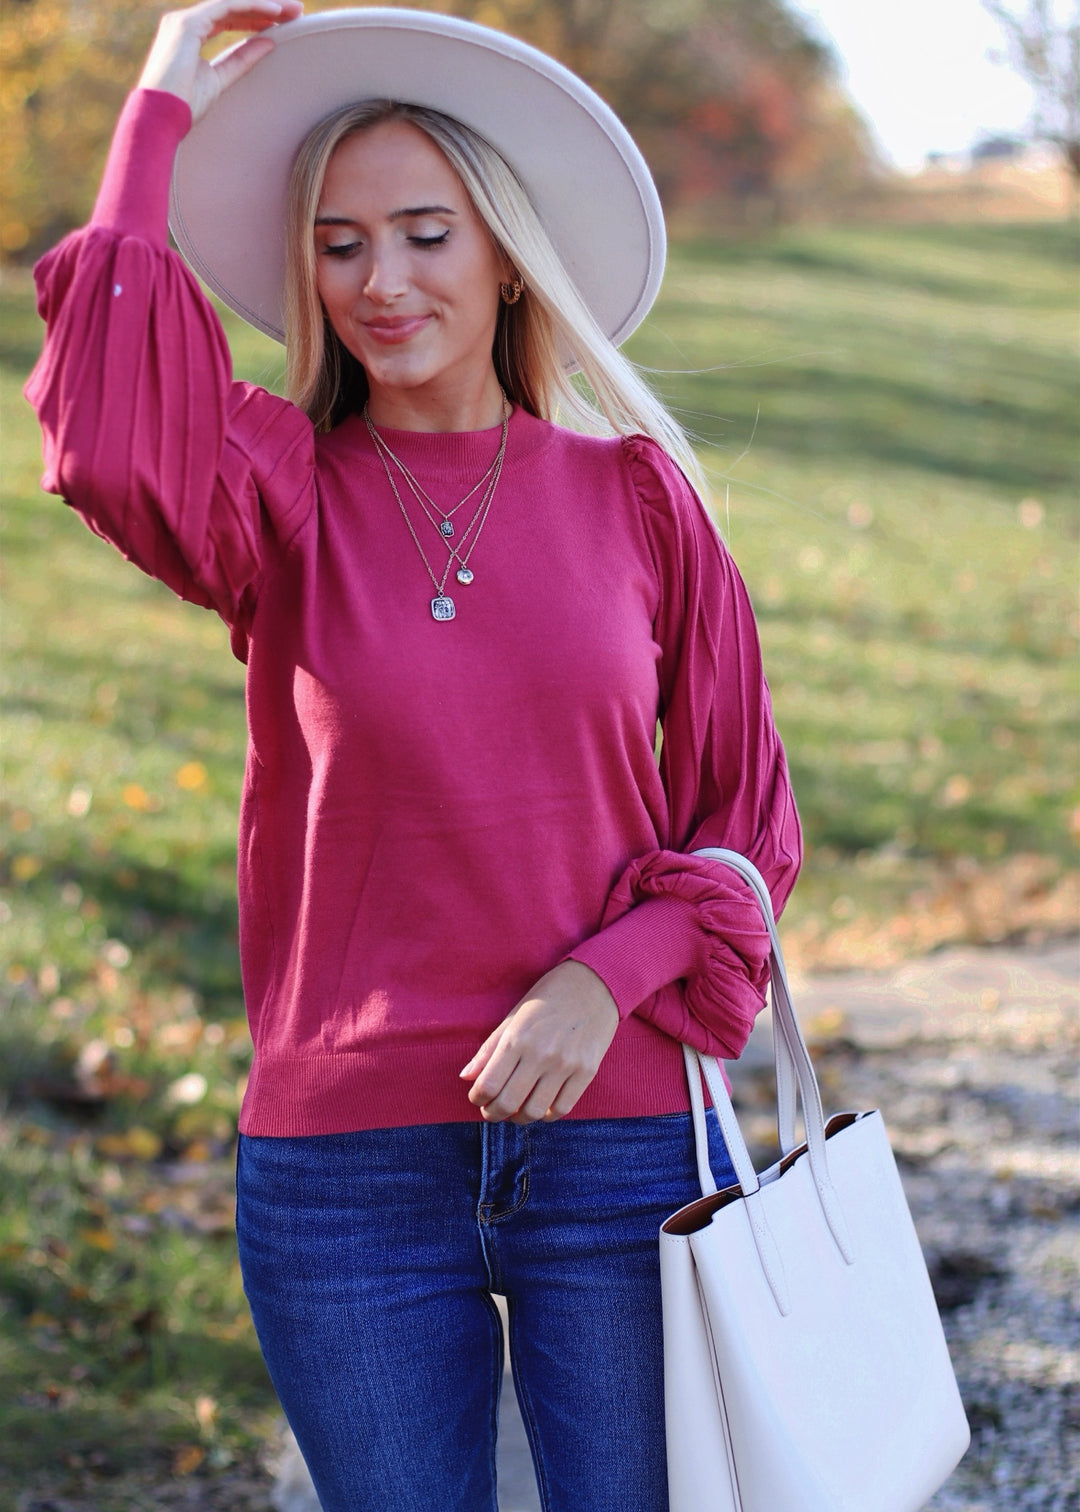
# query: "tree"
{"type": "Point", "coordinates": [65, 67]}
{"type": "Point", "coordinates": [731, 101]}
{"type": "Point", "coordinates": [1044, 48]}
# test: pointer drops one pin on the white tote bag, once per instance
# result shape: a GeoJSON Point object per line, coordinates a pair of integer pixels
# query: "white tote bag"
{"type": "Point", "coordinates": [805, 1367]}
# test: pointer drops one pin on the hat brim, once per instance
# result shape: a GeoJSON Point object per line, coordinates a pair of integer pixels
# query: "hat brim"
{"type": "Point", "coordinates": [580, 167]}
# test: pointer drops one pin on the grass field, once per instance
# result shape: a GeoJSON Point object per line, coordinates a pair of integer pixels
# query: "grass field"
{"type": "Point", "coordinates": [888, 416]}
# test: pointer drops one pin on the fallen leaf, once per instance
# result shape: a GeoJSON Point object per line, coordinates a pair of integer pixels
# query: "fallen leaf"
{"type": "Point", "coordinates": [192, 776]}
{"type": "Point", "coordinates": [205, 1412]}
{"type": "Point", "coordinates": [187, 1090]}
{"type": "Point", "coordinates": [98, 1238]}
{"type": "Point", "coordinates": [135, 1143]}
{"type": "Point", "coordinates": [79, 801]}
{"type": "Point", "coordinates": [187, 1459]}
{"type": "Point", "coordinates": [957, 790]}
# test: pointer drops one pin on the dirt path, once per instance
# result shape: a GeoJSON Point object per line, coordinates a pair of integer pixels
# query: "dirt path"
{"type": "Point", "coordinates": [972, 1056]}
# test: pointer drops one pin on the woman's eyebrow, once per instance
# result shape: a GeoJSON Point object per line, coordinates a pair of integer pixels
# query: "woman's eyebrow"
{"type": "Point", "coordinates": [406, 214]}
{"type": "Point", "coordinates": [421, 210]}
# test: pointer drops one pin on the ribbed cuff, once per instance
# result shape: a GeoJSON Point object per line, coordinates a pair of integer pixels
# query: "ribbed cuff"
{"type": "Point", "coordinates": [134, 194]}
{"type": "Point", "coordinates": [656, 942]}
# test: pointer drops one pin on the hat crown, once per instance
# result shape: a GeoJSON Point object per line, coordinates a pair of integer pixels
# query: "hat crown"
{"type": "Point", "coordinates": [580, 167]}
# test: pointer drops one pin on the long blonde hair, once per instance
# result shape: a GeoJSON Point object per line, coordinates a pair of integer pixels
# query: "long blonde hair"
{"type": "Point", "coordinates": [548, 331]}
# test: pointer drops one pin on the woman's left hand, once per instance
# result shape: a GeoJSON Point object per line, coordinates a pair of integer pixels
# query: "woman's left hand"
{"type": "Point", "coordinates": [544, 1054]}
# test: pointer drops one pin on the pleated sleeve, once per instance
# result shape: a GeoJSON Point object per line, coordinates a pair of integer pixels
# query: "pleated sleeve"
{"type": "Point", "coordinates": [146, 435]}
{"type": "Point", "coordinates": [672, 916]}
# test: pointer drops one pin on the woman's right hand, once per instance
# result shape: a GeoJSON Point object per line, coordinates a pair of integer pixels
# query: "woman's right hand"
{"type": "Point", "coordinates": [176, 65]}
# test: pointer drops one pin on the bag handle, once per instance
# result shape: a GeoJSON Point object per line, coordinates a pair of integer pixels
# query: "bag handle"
{"type": "Point", "coordinates": [783, 1059]}
{"type": "Point", "coordinates": [794, 1071]}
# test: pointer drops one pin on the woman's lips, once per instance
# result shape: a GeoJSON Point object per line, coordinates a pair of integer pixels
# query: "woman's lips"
{"type": "Point", "coordinates": [392, 331]}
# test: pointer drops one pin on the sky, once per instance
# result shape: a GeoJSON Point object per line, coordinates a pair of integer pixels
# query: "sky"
{"type": "Point", "coordinates": [920, 73]}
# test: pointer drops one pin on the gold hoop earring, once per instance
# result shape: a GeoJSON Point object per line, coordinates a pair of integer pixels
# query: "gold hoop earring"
{"type": "Point", "coordinates": [511, 291]}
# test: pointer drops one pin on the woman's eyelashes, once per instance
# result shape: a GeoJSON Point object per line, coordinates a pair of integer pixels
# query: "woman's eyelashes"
{"type": "Point", "coordinates": [347, 249]}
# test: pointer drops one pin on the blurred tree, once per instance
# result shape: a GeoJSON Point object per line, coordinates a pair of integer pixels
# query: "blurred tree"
{"type": "Point", "coordinates": [1044, 48]}
{"type": "Point", "coordinates": [65, 66]}
{"type": "Point", "coordinates": [731, 101]}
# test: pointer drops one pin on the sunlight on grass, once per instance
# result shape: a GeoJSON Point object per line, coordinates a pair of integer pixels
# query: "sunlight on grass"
{"type": "Point", "coordinates": [888, 417]}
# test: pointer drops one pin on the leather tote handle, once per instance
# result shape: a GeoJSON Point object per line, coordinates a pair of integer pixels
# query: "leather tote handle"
{"type": "Point", "coordinates": [793, 1066]}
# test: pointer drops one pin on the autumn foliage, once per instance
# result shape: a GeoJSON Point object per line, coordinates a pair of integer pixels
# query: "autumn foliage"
{"type": "Point", "coordinates": [735, 106]}
{"type": "Point", "coordinates": [65, 67]}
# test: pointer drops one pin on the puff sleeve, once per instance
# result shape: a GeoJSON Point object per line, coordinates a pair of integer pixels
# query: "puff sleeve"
{"type": "Point", "coordinates": [671, 916]}
{"type": "Point", "coordinates": [145, 433]}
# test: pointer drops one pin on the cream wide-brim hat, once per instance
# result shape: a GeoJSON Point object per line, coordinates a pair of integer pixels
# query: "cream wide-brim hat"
{"type": "Point", "coordinates": [585, 177]}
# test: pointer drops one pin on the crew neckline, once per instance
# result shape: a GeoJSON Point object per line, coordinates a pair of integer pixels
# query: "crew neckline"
{"type": "Point", "coordinates": [449, 451]}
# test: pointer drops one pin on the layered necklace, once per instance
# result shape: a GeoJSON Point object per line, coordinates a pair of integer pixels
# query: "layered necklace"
{"type": "Point", "coordinates": [442, 520]}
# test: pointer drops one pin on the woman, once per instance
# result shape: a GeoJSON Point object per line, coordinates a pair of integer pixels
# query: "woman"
{"type": "Point", "coordinates": [472, 934]}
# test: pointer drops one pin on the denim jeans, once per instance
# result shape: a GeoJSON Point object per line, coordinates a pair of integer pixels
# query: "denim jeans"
{"type": "Point", "coordinates": [369, 1260]}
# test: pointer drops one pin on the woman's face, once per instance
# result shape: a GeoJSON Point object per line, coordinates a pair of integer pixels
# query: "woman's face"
{"type": "Point", "coordinates": [407, 274]}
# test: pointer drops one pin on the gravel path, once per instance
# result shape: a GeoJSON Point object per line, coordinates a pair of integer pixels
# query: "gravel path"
{"type": "Point", "coordinates": [971, 1055]}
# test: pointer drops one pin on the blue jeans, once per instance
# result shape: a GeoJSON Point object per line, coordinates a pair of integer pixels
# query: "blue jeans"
{"type": "Point", "coordinates": [369, 1260]}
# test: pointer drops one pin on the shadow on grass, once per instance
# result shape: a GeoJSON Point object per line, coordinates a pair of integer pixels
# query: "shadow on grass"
{"type": "Point", "coordinates": [21, 332]}
{"type": "Point", "coordinates": [850, 811]}
{"type": "Point", "coordinates": [1046, 241]}
{"type": "Point", "coordinates": [1014, 635]}
{"type": "Point", "coordinates": [185, 930]}
{"type": "Point", "coordinates": [183, 923]}
{"type": "Point", "coordinates": [121, 1416]}
{"type": "Point", "coordinates": [870, 254]}
{"type": "Point", "coordinates": [25, 1060]}
{"type": "Point", "coordinates": [178, 697]}
{"type": "Point", "coordinates": [926, 427]}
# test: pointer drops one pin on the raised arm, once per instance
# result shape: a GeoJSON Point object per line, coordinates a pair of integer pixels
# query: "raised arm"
{"type": "Point", "coordinates": [176, 65]}
{"type": "Point", "coordinates": [145, 433]}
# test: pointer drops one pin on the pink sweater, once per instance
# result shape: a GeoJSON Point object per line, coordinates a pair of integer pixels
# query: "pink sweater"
{"type": "Point", "coordinates": [433, 814]}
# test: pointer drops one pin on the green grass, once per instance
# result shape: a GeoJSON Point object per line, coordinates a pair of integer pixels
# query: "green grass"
{"type": "Point", "coordinates": [888, 417]}
{"type": "Point", "coordinates": [890, 414]}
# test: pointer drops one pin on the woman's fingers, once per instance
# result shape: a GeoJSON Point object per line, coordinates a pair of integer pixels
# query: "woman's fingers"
{"type": "Point", "coordinates": [254, 15]}
{"type": "Point", "coordinates": [482, 1056]}
{"type": "Point", "coordinates": [545, 1053]}
{"type": "Point", "coordinates": [525, 1098]}
{"type": "Point", "coordinates": [239, 60]}
{"type": "Point", "coordinates": [567, 1097]}
{"type": "Point", "coordinates": [537, 1107]}
{"type": "Point", "coordinates": [491, 1083]}
{"type": "Point", "coordinates": [175, 62]}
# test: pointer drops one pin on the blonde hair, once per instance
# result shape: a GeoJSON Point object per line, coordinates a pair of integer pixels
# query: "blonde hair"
{"type": "Point", "coordinates": [548, 330]}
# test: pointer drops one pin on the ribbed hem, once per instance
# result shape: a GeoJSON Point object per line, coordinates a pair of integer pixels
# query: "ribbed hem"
{"type": "Point", "coordinates": [134, 194]}
{"type": "Point", "coordinates": [390, 1087]}
{"type": "Point", "coordinates": [657, 942]}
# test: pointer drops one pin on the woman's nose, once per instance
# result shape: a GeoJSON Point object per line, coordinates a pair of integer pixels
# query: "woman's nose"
{"type": "Point", "coordinates": [385, 279]}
